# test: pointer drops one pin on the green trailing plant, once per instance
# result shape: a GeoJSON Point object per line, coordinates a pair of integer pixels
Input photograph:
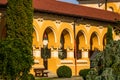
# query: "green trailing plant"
{"type": "Point", "coordinates": [84, 73]}
{"type": "Point", "coordinates": [16, 50]}
{"type": "Point", "coordinates": [64, 72]}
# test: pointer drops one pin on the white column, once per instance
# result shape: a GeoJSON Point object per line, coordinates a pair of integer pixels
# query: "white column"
{"type": "Point", "coordinates": [37, 53]}
{"type": "Point", "coordinates": [70, 54]}
{"type": "Point", "coordinates": [84, 54]}
{"type": "Point", "coordinates": [54, 54]}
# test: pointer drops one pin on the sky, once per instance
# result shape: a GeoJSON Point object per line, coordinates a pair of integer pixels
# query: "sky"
{"type": "Point", "coordinates": [71, 1]}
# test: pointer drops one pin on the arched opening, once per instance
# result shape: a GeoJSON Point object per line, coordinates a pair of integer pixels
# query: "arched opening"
{"type": "Point", "coordinates": [35, 44]}
{"type": "Point", "coordinates": [51, 38]}
{"type": "Point", "coordinates": [48, 42]}
{"type": "Point", "coordinates": [80, 44]}
{"type": "Point", "coordinates": [104, 41]}
{"type": "Point", "coordinates": [65, 42]}
{"type": "Point", "coordinates": [94, 44]}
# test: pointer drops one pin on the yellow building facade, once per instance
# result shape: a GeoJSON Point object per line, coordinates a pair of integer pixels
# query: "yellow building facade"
{"type": "Point", "coordinates": [89, 34]}
{"type": "Point", "coordinates": [71, 32]}
{"type": "Point", "coordinates": [112, 5]}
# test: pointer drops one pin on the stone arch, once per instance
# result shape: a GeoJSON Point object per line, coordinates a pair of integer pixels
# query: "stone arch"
{"type": "Point", "coordinates": [65, 44]}
{"type": "Point", "coordinates": [51, 36]}
{"type": "Point", "coordinates": [104, 41]}
{"type": "Point", "coordinates": [96, 30]}
{"type": "Point", "coordinates": [49, 25]}
{"type": "Point", "coordinates": [81, 40]}
{"type": "Point", "coordinates": [103, 33]}
{"type": "Point", "coordinates": [67, 38]}
{"type": "Point", "coordinates": [94, 41]}
{"type": "Point", "coordinates": [36, 34]}
{"type": "Point", "coordinates": [35, 38]}
{"type": "Point", "coordinates": [81, 43]}
{"type": "Point", "coordinates": [84, 31]}
{"type": "Point", "coordinates": [69, 29]}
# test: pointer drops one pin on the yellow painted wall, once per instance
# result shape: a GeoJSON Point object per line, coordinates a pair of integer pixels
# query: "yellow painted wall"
{"type": "Point", "coordinates": [54, 30]}
{"type": "Point", "coordinates": [114, 5]}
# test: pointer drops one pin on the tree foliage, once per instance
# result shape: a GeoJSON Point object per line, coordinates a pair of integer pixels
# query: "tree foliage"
{"type": "Point", "coordinates": [84, 73]}
{"type": "Point", "coordinates": [16, 50]}
{"type": "Point", "coordinates": [109, 36]}
{"type": "Point", "coordinates": [107, 63]}
{"type": "Point", "coordinates": [117, 28]}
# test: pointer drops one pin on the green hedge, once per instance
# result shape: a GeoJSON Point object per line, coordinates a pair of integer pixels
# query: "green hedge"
{"type": "Point", "coordinates": [28, 77]}
{"type": "Point", "coordinates": [64, 72]}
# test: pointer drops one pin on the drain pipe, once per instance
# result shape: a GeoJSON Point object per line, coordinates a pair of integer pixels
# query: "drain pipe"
{"type": "Point", "coordinates": [75, 54]}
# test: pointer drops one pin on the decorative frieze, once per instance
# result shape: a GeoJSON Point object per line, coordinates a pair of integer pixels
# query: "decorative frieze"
{"type": "Point", "coordinates": [88, 25]}
{"type": "Point", "coordinates": [57, 23]}
{"type": "Point", "coordinates": [40, 19]}
{"type": "Point", "coordinates": [66, 61]}
{"type": "Point", "coordinates": [82, 61]}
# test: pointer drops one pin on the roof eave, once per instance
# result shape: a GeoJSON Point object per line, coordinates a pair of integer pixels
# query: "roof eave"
{"type": "Point", "coordinates": [73, 15]}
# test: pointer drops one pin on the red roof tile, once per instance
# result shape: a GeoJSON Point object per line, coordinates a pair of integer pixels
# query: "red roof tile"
{"type": "Point", "coordinates": [58, 7]}
{"type": "Point", "coordinates": [3, 2]}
